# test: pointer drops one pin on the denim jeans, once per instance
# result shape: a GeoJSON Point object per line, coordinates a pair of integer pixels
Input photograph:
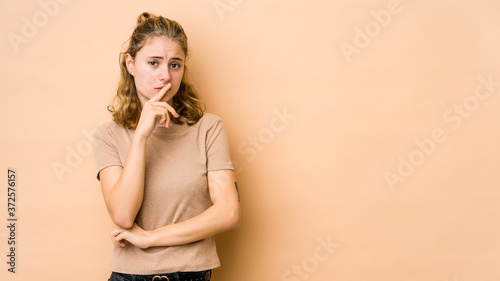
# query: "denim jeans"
{"type": "Point", "coordinates": [177, 276]}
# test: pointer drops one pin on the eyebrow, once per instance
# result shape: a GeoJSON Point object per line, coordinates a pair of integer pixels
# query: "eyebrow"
{"type": "Point", "coordinates": [160, 57]}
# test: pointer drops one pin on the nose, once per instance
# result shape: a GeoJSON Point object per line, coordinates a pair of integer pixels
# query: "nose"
{"type": "Point", "coordinates": [164, 73]}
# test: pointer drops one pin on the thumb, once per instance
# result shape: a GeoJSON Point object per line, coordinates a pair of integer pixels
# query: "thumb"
{"type": "Point", "coordinates": [120, 239]}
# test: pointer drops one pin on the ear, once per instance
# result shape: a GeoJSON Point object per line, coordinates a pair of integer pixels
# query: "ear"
{"type": "Point", "coordinates": [129, 62]}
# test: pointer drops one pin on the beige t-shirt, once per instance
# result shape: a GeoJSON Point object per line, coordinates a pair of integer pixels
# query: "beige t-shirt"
{"type": "Point", "coordinates": [175, 189]}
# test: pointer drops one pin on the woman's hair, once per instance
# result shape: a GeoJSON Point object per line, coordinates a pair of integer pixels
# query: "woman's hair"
{"type": "Point", "coordinates": [186, 102]}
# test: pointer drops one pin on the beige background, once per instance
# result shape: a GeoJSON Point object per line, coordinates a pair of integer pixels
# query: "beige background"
{"type": "Point", "coordinates": [321, 103]}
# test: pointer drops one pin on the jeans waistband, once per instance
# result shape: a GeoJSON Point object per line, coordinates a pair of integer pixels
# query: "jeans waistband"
{"type": "Point", "coordinates": [176, 276]}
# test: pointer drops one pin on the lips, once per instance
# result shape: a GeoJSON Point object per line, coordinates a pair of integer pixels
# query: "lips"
{"type": "Point", "coordinates": [159, 89]}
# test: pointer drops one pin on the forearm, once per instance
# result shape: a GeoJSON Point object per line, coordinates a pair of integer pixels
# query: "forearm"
{"type": "Point", "coordinates": [214, 220]}
{"type": "Point", "coordinates": [125, 199]}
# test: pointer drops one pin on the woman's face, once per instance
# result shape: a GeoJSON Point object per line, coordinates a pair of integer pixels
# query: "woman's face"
{"type": "Point", "coordinates": [159, 62]}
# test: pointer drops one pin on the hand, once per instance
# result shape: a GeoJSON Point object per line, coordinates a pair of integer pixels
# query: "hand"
{"type": "Point", "coordinates": [135, 236]}
{"type": "Point", "coordinates": [152, 109]}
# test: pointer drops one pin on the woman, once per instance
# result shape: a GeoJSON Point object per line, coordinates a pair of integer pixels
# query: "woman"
{"type": "Point", "coordinates": [164, 165]}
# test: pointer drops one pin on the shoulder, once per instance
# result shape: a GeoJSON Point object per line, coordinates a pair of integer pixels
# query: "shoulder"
{"type": "Point", "coordinates": [108, 129]}
{"type": "Point", "coordinates": [209, 120]}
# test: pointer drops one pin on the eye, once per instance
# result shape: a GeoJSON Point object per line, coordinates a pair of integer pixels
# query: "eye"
{"type": "Point", "coordinates": [175, 65]}
{"type": "Point", "coordinates": [153, 63]}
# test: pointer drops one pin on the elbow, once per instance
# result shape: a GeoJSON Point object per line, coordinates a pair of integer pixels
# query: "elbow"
{"type": "Point", "coordinates": [235, 224]}
{"type": "Point", "coordinates": [120, 217]}
{"type": "Point", "coordinates": [123, 221]}
{"type": "Point", "coordinates": [233, 219]}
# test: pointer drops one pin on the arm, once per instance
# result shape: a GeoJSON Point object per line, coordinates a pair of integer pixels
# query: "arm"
{"type": "Point", "coordinates": [123, 188]}
{"type": "Point", "coordinates": [223, 215]}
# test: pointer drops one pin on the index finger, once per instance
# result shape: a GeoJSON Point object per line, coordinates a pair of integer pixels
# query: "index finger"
{"type": "Point", "coordinates": [161, 93]}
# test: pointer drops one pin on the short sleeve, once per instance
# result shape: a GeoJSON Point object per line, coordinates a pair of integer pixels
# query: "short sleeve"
{"type": "Point", "coordinates": [104, 149]}
{"type": "Point", "coordinates": [217, 146]}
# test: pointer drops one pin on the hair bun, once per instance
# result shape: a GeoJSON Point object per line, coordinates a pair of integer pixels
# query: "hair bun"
{"type": "Point", "coordinates": [144, 17]}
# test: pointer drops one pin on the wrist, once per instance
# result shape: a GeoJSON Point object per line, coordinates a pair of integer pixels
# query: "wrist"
{"type": "Point", "coordinates": [151, 238]}
{"type": "Point", "coordinates": [139, 139]}
{"type": "Point", "coordinates": [158, 238]}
